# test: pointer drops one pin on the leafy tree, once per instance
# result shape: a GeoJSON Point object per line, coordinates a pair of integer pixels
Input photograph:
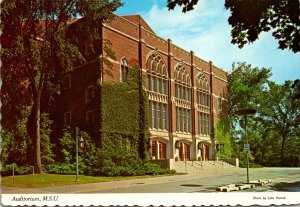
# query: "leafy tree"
{"type": "Point", "coordinates": [245, 85]}
{"type": "Point", "coordinates": [296, 86]}
{"type": "Point", "coordinates": [67, 144]}
{"type": "Point", "coordinates": [249, 18]}
{"type": "Point", "coordinates": [281, 114]}
{"type": "Point", "coordinates": [276, 123]}
{"type": "Point", "coordinates": [16, 144]}
{"type": "Point", "coordinates": [34, 43]}
{"type": "Point", "coordinates": [47, 155]}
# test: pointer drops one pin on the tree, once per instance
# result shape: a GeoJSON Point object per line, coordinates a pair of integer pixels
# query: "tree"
{"type": "Point", "coordinates": [296, 86]}
{"type": "Point", "coordinates": [249, 18]}
{"type": "Point", "coordinates": [281, 114]}
{"type": "Point", "coordinates": [276, 123]}
{"type": "Point", "coordinates": [34, 43]}
{"type": "Point", "coordinates": [245, 85]}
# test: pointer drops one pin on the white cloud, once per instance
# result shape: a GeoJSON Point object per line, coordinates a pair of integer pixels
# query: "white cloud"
{"type": "Point", "coordinates": [206, 31]}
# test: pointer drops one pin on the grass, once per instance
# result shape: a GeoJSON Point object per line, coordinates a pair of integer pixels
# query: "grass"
{"type": "Point", "coordinates": [46, 180]}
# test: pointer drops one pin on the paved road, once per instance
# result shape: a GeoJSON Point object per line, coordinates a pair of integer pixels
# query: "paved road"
{"type": "Point", "coordinates": [284, 179]}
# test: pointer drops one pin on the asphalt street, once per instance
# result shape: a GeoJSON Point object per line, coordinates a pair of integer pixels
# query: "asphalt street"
{"type": "Point", "coordinates": [284, 179]}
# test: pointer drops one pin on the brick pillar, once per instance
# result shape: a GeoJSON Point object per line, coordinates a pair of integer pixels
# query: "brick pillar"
{"type": "Point", "coordinates": [170, 103]}
{"type": "Point", "coordinates": [193, 147]}
{"type": "Point", "coordinates": [212, 118]}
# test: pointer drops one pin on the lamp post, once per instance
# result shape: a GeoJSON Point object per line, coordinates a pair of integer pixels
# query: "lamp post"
{"type": "Point", "coordinates": [77, 130]}
{"type": "Point", "coordinates": [244, 113]}
{"type": "Point", "coordinates": [81, 145]}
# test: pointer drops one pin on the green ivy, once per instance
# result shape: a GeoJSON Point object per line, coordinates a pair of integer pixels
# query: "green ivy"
{"type": "Point", "coordinates": [223, 137]}
{"type": "Point", "coordinates": [127, 103]}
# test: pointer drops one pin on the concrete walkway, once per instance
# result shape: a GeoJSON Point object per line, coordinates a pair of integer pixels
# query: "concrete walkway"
{"type": "Point", "coordinates": [117, 185]}
{"type": "Point", "coordinates": [205, 181]}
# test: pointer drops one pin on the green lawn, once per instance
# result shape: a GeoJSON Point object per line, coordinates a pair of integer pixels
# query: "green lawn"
{"type": "Point", "coordinates": [44, 180]}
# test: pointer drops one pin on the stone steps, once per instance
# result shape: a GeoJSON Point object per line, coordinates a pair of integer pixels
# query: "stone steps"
{"type": "Point", "coordinates": [192, 167]}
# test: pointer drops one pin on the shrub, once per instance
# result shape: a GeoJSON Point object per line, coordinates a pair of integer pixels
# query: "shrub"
{"type": "Point", "coordinates": [65, 169]}
{"type": "Point", "coordinates": [243, 164]}
{"type": "Point", "coordinates": [7, 170]}
{"type": "Point", "coordinates": [154, 169]}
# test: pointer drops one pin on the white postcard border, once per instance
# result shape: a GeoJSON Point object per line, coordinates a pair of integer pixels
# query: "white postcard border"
{"type": "Point", "coordinates": [154, 199]}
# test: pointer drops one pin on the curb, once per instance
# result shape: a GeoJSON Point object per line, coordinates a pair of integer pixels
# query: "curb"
{"type": "Point", "coordinates": [238, 187]}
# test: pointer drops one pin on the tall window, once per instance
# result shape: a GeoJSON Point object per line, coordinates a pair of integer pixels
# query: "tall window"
{"type": "Point", "coordinates": [157, 87]}
{"type": "Point", "coordinates": [220, 102]}
{"type": "Point", "coordinates": [183, 99]}
{"type": "Point", "coordinates": [90, 117]}
{"type": "Point", "coordinates": [89, 94]}
{"type": "Point", "coordinates": [124, 70]}
{"type": "Point", "coordinates": [67, 118]}
{"type": "Point", "coordinates": [203, 102]}
{"type": "Point", "coordinates": [89, 46]}
{"type": "Point", "coordinates": [67, 81]}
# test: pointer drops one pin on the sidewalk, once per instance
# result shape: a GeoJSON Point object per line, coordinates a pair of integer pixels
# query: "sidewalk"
{"type": "Point", "coordinates": [102, 186]}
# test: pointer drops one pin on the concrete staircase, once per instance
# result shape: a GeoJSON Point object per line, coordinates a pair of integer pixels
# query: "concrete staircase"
{"type": "Point", "coordinates": [195, 167]}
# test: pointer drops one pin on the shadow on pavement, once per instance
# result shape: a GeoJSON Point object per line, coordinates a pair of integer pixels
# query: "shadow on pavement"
{"type": "Point", "coordinates": [284, 186]}
{"type": "Point", "coordinates": [191, 185]}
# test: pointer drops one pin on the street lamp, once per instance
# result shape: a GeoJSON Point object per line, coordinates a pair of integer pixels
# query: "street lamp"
{"type": "Point", "coordinates": [81, 145]}
{"type": "Point", "coordinates": [244, 113]}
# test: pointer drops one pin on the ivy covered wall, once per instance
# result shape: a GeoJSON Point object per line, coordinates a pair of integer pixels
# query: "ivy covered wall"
{"type": "Point", "coordinates": [124, 123]}
{"type": "Point", "coordinates": [223, 138]}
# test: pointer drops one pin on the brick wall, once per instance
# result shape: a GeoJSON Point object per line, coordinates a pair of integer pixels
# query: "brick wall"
{"type": "Point", "coordinates": [134, 42]}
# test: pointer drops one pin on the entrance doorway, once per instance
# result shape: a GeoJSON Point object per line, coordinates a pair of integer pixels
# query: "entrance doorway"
{"type": "Point", "coordinates": [184, 152]}
{"type": "Point", "coordinates": [205, 152]}
{"type": "Point", "coordinates": [159, 150]}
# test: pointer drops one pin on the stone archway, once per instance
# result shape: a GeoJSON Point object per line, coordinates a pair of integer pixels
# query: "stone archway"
{"type": "Point", "coordinates": [205, 152]}
{"type": "Point", "coordinates": [204, 148]}
{"type": "Point", "coordinates": [184, 151]}
{"type": "Point", "coordinates": [158, 150]}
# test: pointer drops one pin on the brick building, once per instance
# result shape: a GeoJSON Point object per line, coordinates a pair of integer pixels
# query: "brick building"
{"type": "Point", "coordinates": [186, 93]}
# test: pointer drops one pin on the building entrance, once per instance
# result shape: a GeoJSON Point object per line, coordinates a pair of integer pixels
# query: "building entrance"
{"type": "Point", "coordinates": [184, 152]}
{"type": "Point", "coordinates": [205, 152]}
{"type": "Point", "coordinates": [159, 150]}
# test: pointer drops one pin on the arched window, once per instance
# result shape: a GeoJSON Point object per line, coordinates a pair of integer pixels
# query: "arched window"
{"type": "Point", "coordinates": [220, 102]}
{"type": "Point", "coordinates": [183, 98]}
{"type": "Point", "coordinates": [203, 102]}
{"type": "Point", "coordinates": [157, 87]}
{"type": "Point", "coordinates": [124, 70]}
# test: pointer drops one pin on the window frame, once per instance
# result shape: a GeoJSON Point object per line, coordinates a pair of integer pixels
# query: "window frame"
{"type": "Point", "coordinates": [89, 93]}
{"type": "Point", "coordinates": [67, 119]}
{"type": "Point", "coordinates": [91, 119]}
{"type": "Point", "coordinates": [124, 69]}
{"type": "Point", "coordinates": [67, 82]}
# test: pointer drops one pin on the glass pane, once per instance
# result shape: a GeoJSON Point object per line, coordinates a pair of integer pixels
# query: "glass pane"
{"type": "Point", "coordinates": [164, 116]}
{"type": "Point", "coordinates": [159, 85]}
{"type": "Point", "coordinates": [149, 83]}
{"type": "Point", "coordinates": [153, 115]}
{"type": "Point", "coordinates": [183, 120]}
{"type": "Point", "coordinates": [177, 119]}
{"type": "Point", "coordinates": [188, 121]}
{"type": "Point", "coordinates": [164, 91]}
{"type": "Point", "coordinates": [158, 115]}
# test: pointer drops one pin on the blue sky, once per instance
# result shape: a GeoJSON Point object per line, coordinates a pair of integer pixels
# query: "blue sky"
{"type": "Point", "coordinates": [206, 31]}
